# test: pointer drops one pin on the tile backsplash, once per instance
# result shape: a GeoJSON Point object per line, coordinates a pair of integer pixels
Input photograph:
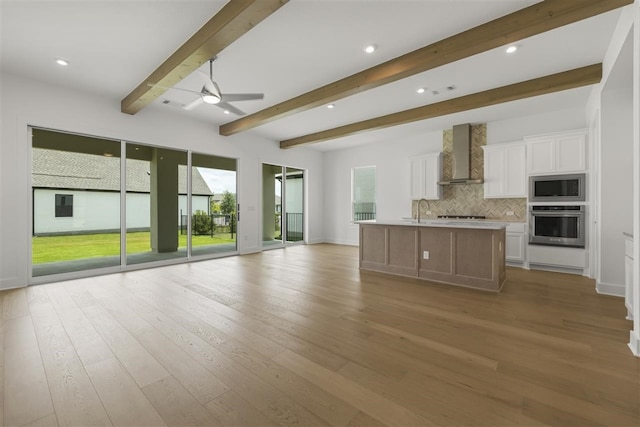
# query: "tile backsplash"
{"type": "Point", "coordinates": [468, 199]}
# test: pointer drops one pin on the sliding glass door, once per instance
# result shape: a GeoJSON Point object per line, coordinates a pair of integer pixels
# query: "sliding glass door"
{"type": "Point", "coordinates": [75, 184]}
{"type": "Point", "coordinates": [282, 205]}
{"type": "Point", "coordinates": [214, 222]}
{"type": "Point", "coordinates": [156, 194]}
{"type": "Point", "coordinates": [106, 204]}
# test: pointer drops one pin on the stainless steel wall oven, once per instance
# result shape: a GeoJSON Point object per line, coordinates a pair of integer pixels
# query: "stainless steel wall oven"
{"type": "Point", "coordinates": [557, 225]}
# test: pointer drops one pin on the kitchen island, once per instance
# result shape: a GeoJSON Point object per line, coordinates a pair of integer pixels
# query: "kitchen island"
{"type": "Point", "coordinates": [462, 253]}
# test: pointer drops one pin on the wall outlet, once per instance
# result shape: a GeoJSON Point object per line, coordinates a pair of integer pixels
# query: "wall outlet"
{"type": "Point", "coordinates": [509, 213]}
{"type": "Point", "coordinates": [428, 212]}
{"type": "Point", "coordinates": [425, 254]}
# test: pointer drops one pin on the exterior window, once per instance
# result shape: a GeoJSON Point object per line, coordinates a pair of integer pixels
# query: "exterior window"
{"type": "Point", "coordinates": [363, 193]}
{"type": "Point", "coordinates": [64, 205]}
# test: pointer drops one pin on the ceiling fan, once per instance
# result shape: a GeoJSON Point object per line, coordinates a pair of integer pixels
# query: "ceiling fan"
{"type": "Point", "coordinates": [211, 94]}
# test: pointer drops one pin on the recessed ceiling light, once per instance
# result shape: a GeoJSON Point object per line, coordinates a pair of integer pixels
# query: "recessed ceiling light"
{"type": "Point", "coordinates": [370, 48]}
{"type": "Point", "coordinates": [62, 62]}
{"type": "Point", "coordinates": [331, 106]}
{"type": "Point", "coordinates": [512, 49]}
{"type": "Point", "coordinates": [421, 90]}
{"type": "Point", "coordinates": [226, 111]}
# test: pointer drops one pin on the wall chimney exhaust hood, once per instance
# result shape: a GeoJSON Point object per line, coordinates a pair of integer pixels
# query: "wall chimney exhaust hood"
{"type": "Point", "coordinates": [460, 157]}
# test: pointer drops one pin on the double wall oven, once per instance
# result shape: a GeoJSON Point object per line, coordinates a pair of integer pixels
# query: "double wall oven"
{"type": "Point", "coordinates": [555, 222]}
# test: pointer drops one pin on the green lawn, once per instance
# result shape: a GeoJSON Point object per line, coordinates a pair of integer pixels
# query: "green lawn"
{"type": "Point", "coordinates": [67, 248]}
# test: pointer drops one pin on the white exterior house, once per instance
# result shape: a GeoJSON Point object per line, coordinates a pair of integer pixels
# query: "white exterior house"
{"type": "Point", "coordinates": [90, 186]}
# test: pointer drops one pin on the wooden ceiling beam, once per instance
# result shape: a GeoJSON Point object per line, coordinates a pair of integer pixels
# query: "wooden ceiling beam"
{"type": "Point", "coordinates": [575, 78]}
{"type": "Point", "coordinates": [232, 21]}
{"type": "Point", "coordinates": [527, 22]}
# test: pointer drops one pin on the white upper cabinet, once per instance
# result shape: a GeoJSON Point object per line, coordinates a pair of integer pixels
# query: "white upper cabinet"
{"type": "Point", "coordinates": [557, 153]}
{"type": "Point", "coordinates": [426, 171]}
{"type": "Point", "coordinates": [504, 170]}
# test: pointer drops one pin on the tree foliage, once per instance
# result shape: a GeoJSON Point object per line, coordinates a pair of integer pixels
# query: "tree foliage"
{"type": "Point", "coordinates": [228, 203]}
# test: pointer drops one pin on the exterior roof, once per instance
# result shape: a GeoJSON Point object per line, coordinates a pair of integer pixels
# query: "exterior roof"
{"type": "Point", "coordinates": [63, 169]}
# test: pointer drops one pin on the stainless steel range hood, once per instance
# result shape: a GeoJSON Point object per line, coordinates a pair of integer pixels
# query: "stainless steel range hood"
{"type": "Point", "coordinates": [460, 157]}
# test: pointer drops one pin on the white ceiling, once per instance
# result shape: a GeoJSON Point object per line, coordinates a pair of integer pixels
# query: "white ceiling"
{"type": "Point", "coordinates": [113, 45]}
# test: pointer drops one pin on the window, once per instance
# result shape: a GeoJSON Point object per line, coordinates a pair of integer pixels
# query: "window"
{"type": "Point", "coordinates": [64, 205]}
{"type": "Point", "coordinates": [363, 193]}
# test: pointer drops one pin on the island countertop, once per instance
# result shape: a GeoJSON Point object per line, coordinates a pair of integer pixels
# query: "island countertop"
{"type": "Point", "coordinates": [449, 223]}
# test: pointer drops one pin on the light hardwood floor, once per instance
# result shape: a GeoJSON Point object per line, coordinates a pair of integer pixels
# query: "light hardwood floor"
{"type": "Point", "coordinates": [300, 336]}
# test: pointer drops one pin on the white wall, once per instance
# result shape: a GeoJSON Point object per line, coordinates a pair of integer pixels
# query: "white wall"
{"type": "Point", "coordinates": [610, 115]}
{"type": "Point", "coordinates": [27, 102]}
{"type": "Point", "coordinates": [512, 130]}
{"type": "Point", "coordinates": [616, 172]}
{"type": "Point", "coordinates": [613, 112]}
{"type": "Point", "coordinates": [391, 159]}
{"type": "Point", "coordinates": [392, 181]}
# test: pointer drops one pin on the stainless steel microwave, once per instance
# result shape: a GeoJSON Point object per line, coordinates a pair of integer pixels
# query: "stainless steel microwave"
{"type": "Point", "coordinates": [557, 188]}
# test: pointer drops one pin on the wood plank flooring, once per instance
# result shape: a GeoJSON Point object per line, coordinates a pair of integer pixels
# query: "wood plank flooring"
{"type": "Point", "coordinates": [301, 337]}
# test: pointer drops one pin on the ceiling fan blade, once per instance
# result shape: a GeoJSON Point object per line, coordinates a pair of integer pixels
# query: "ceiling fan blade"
{"type": "Point", "coordinates": [194, 104]}
{"type": "Point", "coordinates": [230, 108]}
{"type": "Point", "coordinates": [231, 97]}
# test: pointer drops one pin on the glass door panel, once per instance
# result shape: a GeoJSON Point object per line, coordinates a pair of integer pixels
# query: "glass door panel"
{"type": "Point", "coordinates": [76, 203]}
{"type": "Point", "coordinates": [156, 186]}
{"type": "Point", "coordinates": [282, 205]}
{"type": "Point", "coordinates": [294, 205]}
{"type": "Point", "coordinates": [272, 223]}
{"type": "Point", "coordinates": [213, 205]}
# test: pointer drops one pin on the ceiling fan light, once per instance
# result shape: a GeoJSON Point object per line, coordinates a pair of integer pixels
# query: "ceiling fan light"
{"type": "Point", "coordinates": [210, 98]}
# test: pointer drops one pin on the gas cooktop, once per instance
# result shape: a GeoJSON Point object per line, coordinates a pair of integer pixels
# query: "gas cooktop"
{"type": "Point", "coordinates": [462, 216]}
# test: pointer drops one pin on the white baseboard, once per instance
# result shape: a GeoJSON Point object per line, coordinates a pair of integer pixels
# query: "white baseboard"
{"type": "Point", "coordinates": [253, 250]}
{"type": "Point", "coordinates": [634, 343]}
{"type": "Point", "coordinates": [555, 269]}
{"type": "Point", "coordinates": [610, 289]}
{"type": "Point", "coordinates": [9, 286]}
{"type": "Point", "coordinates": [316, 241]}
{"type": "Point", "coordinates": [341, 242]}
{"type": "Point", "coordinates": [12, 283]}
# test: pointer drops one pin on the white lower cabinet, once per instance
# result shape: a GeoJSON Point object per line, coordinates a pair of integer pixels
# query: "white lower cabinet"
{"type": "Point", "coordinates": [515, 244]}
{"type": "Point", "coordinates": [628, 275]}
{"type": "Point", "coordinates": [563, 258]}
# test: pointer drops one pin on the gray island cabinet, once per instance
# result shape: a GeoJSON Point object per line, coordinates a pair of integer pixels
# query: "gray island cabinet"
{"type": "Point", "coordinates": [470, 254]}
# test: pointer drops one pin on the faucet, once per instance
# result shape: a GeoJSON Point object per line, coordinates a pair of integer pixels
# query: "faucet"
{"type": "Point", "coordinates": [419, 203]}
